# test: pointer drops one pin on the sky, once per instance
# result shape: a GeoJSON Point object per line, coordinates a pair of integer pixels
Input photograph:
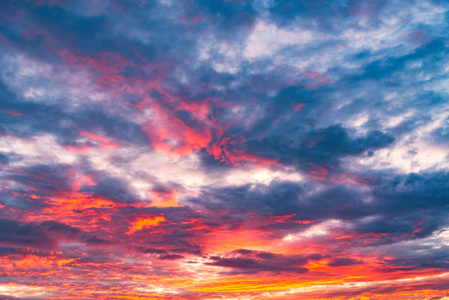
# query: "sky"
{"type": "Point", "coordinates": [252, 149]}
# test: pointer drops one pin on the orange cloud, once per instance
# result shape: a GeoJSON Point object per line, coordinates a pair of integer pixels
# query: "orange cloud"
{"type": "Point", "coordinates": [141, 223]}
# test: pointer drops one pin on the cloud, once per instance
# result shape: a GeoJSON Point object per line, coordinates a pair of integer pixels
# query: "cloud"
{"type": "Point", "coordinates": [243, 261]}
{"type": "Point", "coordinates": [43, 235]}
{"type": "Point", "coordinates": [343, 262]}
{"type": "Point", "coordinates": [259, 147]}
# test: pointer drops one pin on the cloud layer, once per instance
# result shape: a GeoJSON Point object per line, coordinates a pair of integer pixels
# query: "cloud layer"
{"type": "Point", "coordinates": [224, 149]}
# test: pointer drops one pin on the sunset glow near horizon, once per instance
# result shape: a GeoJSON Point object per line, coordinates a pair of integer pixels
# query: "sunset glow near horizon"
{"type": "Point", "coordinates": [224, 149]}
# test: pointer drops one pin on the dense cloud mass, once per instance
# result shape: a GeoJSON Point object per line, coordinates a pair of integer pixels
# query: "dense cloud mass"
{"type": "Point", "coordinates": [224, 149]}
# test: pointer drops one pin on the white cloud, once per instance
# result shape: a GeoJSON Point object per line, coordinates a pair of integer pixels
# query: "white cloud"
{"type": "Point", "coordinates": [266, 39]}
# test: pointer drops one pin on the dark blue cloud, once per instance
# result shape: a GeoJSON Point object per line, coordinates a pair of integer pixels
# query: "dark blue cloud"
{"type": "Point", "coordinates": [4, 159]}
{"type": "Point", "coordinates": [45, 180]}
{"type": "Point", "coordinates": [343, 262]}
{"type": "Point", "coordinates": [44, 235]}
{"type": "Point", "coordinates": [286, 198]}
{"type": "Point", "coordinates": [111, 188]}
{"type": "Point", "coordinates": [243, 261]}
{"type": "Point", "coordinates": [325, 15]}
